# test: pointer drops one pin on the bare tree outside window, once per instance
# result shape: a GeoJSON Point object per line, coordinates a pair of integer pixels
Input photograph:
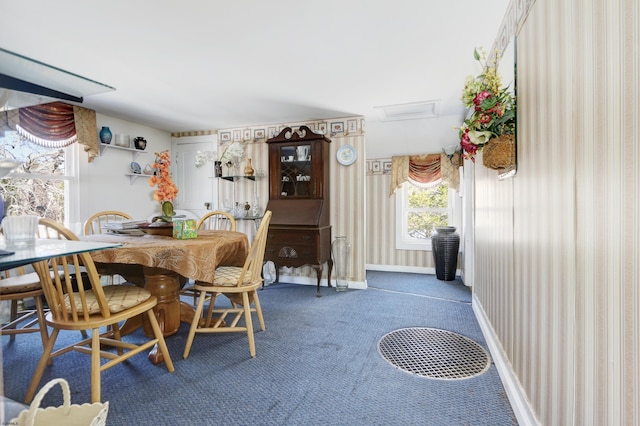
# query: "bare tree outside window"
{"type": "Point", "coordinates": [38, 185]}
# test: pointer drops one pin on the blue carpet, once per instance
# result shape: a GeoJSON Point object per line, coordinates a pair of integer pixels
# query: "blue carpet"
{"type": "Point", "coordinates": [317, 364]}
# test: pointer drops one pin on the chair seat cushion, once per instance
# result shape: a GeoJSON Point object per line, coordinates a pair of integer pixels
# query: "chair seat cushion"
{"type": "Point", "coordinates": [228, 276]}
{"type": "Point", "coordinates": [119, 298]}
{"type": "Point", "coordinates": [21, 283]}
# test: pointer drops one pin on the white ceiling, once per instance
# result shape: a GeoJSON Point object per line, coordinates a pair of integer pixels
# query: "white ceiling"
{"type": "Point", "coordinates": [214, 64]}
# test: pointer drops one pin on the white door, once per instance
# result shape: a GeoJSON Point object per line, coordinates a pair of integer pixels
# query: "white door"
{"type": "Point", "coordinates": [197, 189]}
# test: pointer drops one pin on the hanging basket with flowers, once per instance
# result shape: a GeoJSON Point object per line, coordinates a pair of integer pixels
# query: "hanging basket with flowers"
{"type": "Point", "coordinates": [167, 191]}
{"type": "Point", "coordinates": [491, 122]}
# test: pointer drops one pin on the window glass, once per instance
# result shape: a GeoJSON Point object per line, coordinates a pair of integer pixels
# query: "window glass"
{"type": "Point", "coordinates": [419, 210]}
{"type": "Point", "coordinates": [39, 185]}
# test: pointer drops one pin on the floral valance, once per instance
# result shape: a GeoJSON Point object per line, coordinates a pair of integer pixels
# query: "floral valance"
{"type": "Point", "coordinates": [425, 169]}
{"type": "Point", "coordinates": [54, 125]}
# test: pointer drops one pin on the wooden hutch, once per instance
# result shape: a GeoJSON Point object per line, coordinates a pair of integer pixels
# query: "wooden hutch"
{"type": "Point", "coordinates": [300, 230]}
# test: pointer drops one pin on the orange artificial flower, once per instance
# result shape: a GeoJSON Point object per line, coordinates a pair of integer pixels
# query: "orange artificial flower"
{"type": "Point", "coordinates": [167, 190]}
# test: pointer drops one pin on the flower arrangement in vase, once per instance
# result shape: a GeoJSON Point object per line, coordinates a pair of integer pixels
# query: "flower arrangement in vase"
{"type": "Point", "coordinates": [492, 108]}
{"type": "Point", "coordinates": [232, 155]}
{"type": "Point", "coordinates": [167, 191]}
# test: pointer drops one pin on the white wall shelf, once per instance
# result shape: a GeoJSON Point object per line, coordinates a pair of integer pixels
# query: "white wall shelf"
{"type": "Point", "coordinates": [134, 176]}
{"type": "Point", "coordinates": [134, 152]}
{"type": "Point", "coordinates": [134, 155]}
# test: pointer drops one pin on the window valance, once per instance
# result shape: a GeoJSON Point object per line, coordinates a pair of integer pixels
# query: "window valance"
{"type": "Point", "coordinates": [425, 169]}
{"type": "Point", "coordinates": [54, 125]}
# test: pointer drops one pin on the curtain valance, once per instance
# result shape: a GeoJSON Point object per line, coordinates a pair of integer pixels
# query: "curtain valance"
{"type": "Point", "coordinates": [420, 168]}
{"type": "Point", "coordinates": [425, 169]}
{"type": "Point", "coordinates": [54, 125]}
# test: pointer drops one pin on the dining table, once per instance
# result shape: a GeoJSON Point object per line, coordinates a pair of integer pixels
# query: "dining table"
{"type": "Point", "coordinates": [163, 264]}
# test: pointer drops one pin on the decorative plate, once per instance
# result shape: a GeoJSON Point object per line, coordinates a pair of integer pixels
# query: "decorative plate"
{"type": "Point", "coordinates": [346, 155]}
{"type": "Point", "coordinates": [135, 168]}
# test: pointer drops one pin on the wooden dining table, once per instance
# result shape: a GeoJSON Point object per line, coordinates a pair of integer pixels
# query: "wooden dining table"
{"type": "Point", "coordinates": [162, 265]}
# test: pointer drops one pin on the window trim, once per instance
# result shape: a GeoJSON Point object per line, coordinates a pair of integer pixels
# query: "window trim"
{"type": "Point", "coordinates": [72, 187]}
{"type": "Point", "coordinates": [454, 212]}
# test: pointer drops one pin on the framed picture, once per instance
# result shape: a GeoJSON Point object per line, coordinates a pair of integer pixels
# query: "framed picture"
{"type": "Point", "coordinates": [312, 126]}
{"type": "Point", "coordinates": [237, 135]}
{"type": "Point", "coordinates": [258, 134]}
{"type": "Point", "coordinates": [225, 137]}
{"type": "Point", "coordinates": [352, 126]}
{"type": "Point", "coordinates": [362, 125]}
{"type": "Point", "coordinates": [386, 166]}
{"type": "Point", "coordinates": [322, 128]}
{"type": "Point", "coordinates": [368, 166]}
{"type": "Point", "coordinates": [375, 166]}
{"type": "Point", "coordinates": [246, 135]}
{"type": "Point", "coordinates": [272, 132]}
{"type": "Point", "coordinates": [337, 127]}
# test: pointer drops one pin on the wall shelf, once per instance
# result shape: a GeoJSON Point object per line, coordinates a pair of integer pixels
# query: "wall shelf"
{"type": "Point", "coordinates": [134, 152]}
{"type": "Point", "coordinates": [235, 178]}
{"type": "Point", "coordinates": [134, 176]}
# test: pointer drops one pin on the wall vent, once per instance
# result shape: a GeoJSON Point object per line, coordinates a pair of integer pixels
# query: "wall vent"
{"type": "Point", "coordinates": [408, 111]}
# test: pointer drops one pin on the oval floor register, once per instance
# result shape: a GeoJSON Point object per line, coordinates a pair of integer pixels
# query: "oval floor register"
{"type": "Point", "coordinates": [433, 353]}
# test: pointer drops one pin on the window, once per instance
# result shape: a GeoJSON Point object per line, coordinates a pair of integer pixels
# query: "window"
{"type": "Point", "coordinates": [41, 185]}
{"type": "Point", "coordinates": [419, 209]}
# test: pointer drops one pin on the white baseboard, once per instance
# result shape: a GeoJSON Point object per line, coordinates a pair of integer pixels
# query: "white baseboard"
{"type": "Point", "coordinates": [411, 269]}
{"type": "Point", "coordinates": [517, 396]}
{"type": "Point", "coordinates": [397, 268]}
{"type": "Point", "coordinates": [293, 279]}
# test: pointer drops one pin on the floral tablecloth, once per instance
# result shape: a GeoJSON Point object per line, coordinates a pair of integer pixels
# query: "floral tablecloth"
{"type": "Point", "coordinates": [195, 258]}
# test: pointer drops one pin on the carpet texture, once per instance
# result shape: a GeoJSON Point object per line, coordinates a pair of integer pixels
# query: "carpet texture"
{"type": "Point", "coordinates": [317, 364]}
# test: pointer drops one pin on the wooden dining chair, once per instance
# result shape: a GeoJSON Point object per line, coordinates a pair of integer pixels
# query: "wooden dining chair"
{"type": "Point", "coordinates": [89, 305]}
{"type": "Point", "coordinates": [214, 220]}
{"type": "Point", "coordinates": [240, 285]}
{"type": "Point", "coordinates": [19, 286]}
{"type": "Point", "coordinates": [95, 224]}
{"type": "Point", "coordinates": [218, 220]}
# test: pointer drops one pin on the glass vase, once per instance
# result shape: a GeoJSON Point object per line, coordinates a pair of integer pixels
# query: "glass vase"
{"type": "Point", "coordinates": [341, 250]}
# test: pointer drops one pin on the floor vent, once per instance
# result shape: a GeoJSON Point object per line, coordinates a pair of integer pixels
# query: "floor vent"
{"type": "Point", "coordinates": [433, 353]}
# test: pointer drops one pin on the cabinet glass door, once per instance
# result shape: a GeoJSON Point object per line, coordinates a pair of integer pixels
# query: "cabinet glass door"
{"type": "Point", "coordinates": [295, 170]}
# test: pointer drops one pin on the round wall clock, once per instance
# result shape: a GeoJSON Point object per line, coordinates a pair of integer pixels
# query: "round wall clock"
{"type": "Point", "coordinates": [346, 155]}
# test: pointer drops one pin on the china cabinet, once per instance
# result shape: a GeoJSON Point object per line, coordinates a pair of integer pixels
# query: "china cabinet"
{"type": "Point", "coordinates": [300, 230]}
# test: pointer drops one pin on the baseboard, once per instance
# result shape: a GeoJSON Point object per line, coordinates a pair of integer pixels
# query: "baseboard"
{"type": "Point", "coordinates": [411, 269]}
{"type": "Point", "coordinates": [516, 394]}
{"type": "Point", "coordinates": [398, 268]}
{"type": "Point", "coordinates": [296, 279]}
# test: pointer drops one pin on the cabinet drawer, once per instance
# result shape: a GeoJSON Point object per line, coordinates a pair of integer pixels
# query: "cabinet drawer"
{"type": "Point", "coordinates": [282, 252]}
{"type": "Point", "coordinates": [293, 237]}
{"type": "Point", "coordinates": [289, 244]}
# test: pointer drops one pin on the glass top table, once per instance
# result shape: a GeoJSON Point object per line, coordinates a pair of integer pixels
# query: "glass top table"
{"type": "Point", "coordinates": [48, 248]}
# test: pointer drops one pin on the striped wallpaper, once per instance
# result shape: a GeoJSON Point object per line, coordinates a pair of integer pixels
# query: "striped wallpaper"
{"type": "Point", "coordinates": [557, 248]}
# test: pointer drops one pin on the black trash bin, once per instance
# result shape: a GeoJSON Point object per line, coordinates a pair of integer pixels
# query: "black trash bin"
{"type": "Point", "coordinates": [444, 245]}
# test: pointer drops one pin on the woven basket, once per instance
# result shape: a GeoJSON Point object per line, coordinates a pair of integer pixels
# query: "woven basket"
{"type": "Point", "coordinates": [68, 414]}
{"type": "Point", "coordinates": [500, 153]}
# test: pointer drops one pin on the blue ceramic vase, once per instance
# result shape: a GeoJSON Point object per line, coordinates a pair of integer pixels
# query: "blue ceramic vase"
{"type": "Point", "coordinates": [105, 135]}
